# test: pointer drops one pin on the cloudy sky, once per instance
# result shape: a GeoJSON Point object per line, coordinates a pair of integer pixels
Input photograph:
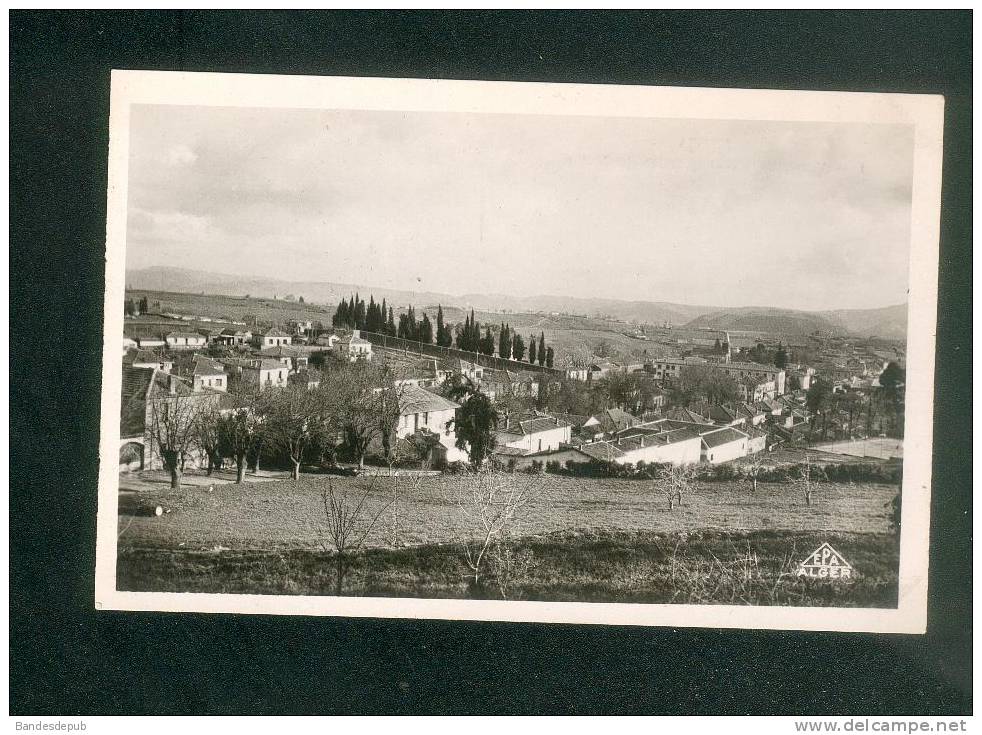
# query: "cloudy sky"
{"type": "Point", "coordinates": [719, 213]}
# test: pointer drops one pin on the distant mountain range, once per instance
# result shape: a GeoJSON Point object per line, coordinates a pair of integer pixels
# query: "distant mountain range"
{"type": "Point", "coordinates": [889, 322]}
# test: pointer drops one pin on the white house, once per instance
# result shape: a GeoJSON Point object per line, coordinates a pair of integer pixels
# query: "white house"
{"type": "Point", "coordinates": [149, 343]}
{"type": "Point", "coordinates": [186, 341]}
{"type": "Point", "coordinates": [657, 443]}
{"type": "Point", "coordinates": [421, 410]}
{"type": "Point", "coordinates": [273, 338]}
{"type": "Point", "coordinates": [724, 444]}
{"type": "Point", "coordinates": [208, 374]}
{"type": "Point", "coordinates": [354, 347]}
{"type": "Point", "coordinates": [533, 433]}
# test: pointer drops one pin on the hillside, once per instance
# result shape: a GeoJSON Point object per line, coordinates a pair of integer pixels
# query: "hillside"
{"type": "Point", "coordinates": [888, 322]}
{"type": "Point", "coordinates": [161, 278]}
{"type": "Point", "coordinates": [761, 319]}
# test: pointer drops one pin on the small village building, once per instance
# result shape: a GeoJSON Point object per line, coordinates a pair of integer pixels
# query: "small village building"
{"type": "Point", "coordinates": [293, 358]}
{"type": "Point", "coordinates": [600, 370]}
{"type": "Point", "coordinates": [147, 395]}
{"type": "Point", "coordinates": [724, 444]}
{"type": "Point", "coordinates": [577, 373]}
{"type": "Point", "coordinates": [354, 347]}
{"type": "Point", "coordinates": [423, 412]}
{"type": "Point", "coordinates": [151, 342]}
{"type": "Point", "coordinates": [185, 341]}
{"type": "Point", "coordinates": [148, 360]}
{"type": "Point", "coordinates": [520, 384]}
{"type": "Point", "coordinates": [327, 340]}
{"type": "Point", "coordinates": [657, 443]}
{"type": "Point", "coordinates": [532, 433]}
{"type": "Point", "coordinates": [301, 327]}
{"type": "Point", "coordinates": [129, 344]}
{"type": "Point", "coordinates": [207, 373]}
{"type": "Point", "coordinates": [234, 337]}
{"type": "Point", "coordinates": [611, 421]}
{"type": "Point", "coordinates": [272, 338]}
{"type": "Point", "coordinates": [257, 372]}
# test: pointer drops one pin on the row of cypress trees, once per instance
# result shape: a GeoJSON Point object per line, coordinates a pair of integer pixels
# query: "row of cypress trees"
{"type": "Point", "coordinates": [380, 319]}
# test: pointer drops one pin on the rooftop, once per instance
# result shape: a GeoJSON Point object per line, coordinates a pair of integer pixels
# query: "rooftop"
{"type": "Point", "coordinates": [722, 436]}
{"type": "Point", "coordinates": [413, 399]}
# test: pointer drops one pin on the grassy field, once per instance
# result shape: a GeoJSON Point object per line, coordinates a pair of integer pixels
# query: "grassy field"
{"type": "Point", "coordinates": [874, 447]}
{"type": "Point", "coordinates": [232, 307]}
{"type": "Point", "coordinates": [711, 567]}
{"type": "Point", "coordinates": [280, 514]}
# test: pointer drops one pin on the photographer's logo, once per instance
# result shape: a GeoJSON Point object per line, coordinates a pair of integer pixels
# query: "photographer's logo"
{"type": "Point", "coordinates": [825, 563]}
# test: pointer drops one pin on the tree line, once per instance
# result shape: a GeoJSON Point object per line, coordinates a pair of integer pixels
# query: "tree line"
{"type": "Point", "coordinates": [502, 340]}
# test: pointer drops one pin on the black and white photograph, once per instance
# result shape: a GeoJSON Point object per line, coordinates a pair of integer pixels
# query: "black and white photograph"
{"type": "Point", "coordinates": [487, 363]}
{"type": "Point", "coordinates": [633, 350]}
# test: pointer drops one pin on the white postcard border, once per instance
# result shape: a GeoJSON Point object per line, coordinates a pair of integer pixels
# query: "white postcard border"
{"type": "Point", "coordinates": [924, 112]}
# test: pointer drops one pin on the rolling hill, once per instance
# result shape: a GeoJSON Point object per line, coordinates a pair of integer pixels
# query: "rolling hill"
{"type": "Point", "coordinates": [889, 322]}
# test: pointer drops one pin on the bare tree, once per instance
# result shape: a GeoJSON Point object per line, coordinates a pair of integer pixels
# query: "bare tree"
{"type": "Point", "coordinates": [364, 405]}
{"type": "Point", "coordinates": [678, 481]}
{"type": "Point", "coordinates": [293, 418]}
{"type": "Point", "coordinates": [351, 513]}
{"type": "Point", "coordinates": [754, 465]}
{"type": "Point", "coordinates": [804, 479]}
{"type": "Point", "coordinates": [173, 428]}
{"type": "Point", "coordinates": [490, 505]}
{"type": "Point", "coordinates": [238, 434]}
{"type": "Point", "coordinates": [206, 423]}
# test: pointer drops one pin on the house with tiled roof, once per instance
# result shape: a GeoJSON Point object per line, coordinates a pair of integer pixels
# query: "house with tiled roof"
{"type": "Point", "coordinates": [689, 415]}
{"type": "Point", "coordinates": [207, 373]}
{"type": "Point", "coordinates": [256, 372]}
{"type": "Point", "coordinates": [612, 420]}
{"type": "Point", "coordinates": [145, 395]}
{"type": "Point", "coordinates": [293, 358]}
{"type": "Point", "coordinates": [656, 443]}
{"type": "Point", "coordinates": [532, 432]}
{"type": "Point", "coordinates": [724, 444]}
{"type": "Point", "coordinates": [271, 338]}
{"type": "Point", "coordinates": [424, 412]}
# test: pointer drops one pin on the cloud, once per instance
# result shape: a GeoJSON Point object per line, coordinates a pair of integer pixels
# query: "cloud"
{"type": "Point", "coordinates": [802, 215]}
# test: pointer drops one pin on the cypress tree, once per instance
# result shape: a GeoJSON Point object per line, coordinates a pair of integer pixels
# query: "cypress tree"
{"type": "Point", "coordinates": [487, 344]}
{"type": "Point", "coordinates": [517, 347]}
{"type": "Point", "coordinates": [504, 342]}
{"type": "Point", "coordinates": [532, 349]}
{"type": "Point", "coordinates": [542, 348]}
{"type": "Point", "coordinates": [549, 357]}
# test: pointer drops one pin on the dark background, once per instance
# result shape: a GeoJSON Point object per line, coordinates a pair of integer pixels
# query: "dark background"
{"type": "Point", "coordinates": [67, 659]}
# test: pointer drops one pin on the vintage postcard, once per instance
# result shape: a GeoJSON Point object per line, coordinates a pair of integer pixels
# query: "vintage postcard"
{"type": "Point", "coordinates": [525, 352]}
